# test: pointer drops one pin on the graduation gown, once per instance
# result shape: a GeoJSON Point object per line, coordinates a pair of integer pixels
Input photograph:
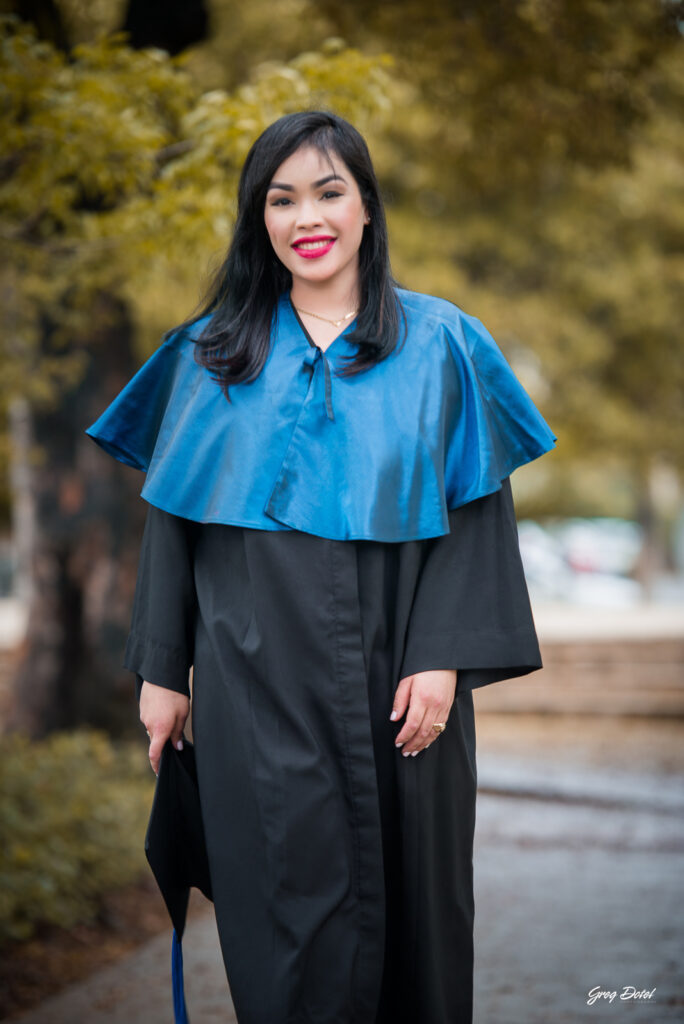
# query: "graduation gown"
{"type": "Point", "coordinates": [341, 871]}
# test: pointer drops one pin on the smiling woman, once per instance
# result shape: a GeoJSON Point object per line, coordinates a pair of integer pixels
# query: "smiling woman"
{"type": "Point", "coordinates": [316, 230]}
{"type": "Point", "coordinates": [331, 546]}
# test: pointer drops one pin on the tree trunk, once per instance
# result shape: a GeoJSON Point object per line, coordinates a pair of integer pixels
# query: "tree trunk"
{"type": "Point", "coordinates": [23, 504]}
{"type": "Point", "coordinates": [87, 526]}
{"type": "Point", "coordinates": [46, 18]}
{"type": "Point", "coordinates": [171, 25]}
{"type": "Point", "coordinates": [652, 558]}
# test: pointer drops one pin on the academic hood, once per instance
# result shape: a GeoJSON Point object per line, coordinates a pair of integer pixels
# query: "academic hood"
{"type": "Point", "coordinates": [381, 455]}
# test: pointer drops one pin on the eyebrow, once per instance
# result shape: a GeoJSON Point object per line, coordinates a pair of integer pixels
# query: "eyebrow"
{"type": "Point", "coordinates": [316, 184]}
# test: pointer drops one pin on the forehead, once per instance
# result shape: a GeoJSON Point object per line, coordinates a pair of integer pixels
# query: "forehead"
{"type": "Point", "coordinates": [308, 164]}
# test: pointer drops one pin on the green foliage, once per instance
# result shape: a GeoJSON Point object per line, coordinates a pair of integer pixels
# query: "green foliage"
{"type": "Point", "coordinates": [79, 136]}
{"type": "Point", "coordinates": [119, 172]}
{"type": "Point", "coordinates": [53, 107]}
{"type": "Point", "coordinates": [517, 91]}
{"type": "Point", "coordinates": [73, 810]}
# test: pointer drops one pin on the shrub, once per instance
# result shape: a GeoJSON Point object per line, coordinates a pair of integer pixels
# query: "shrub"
{"type": "Point", "coordinates": [73, 812]}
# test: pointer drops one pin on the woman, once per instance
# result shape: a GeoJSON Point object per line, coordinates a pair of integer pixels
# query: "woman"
{"type": "Point", "coordinates": [331, 545]}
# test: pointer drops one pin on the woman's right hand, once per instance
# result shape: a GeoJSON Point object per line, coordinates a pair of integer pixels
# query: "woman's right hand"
{"type": "Point", "coordinates": [163, 713]}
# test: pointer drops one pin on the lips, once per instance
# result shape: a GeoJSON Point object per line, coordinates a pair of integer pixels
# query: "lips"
{"type": "Point", "coordinates": [314, 246]}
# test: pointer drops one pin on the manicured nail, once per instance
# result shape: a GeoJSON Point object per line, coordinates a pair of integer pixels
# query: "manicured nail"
{"type": "Point", "coordinates": [393, 716]}
{"type": "Point", "coordinates": [415, 752]}
{"type": "Point", "coordinates": [401, 744]}
{"type": "Point", "coordinates": [179, 745]}
{"type": "Point", "coordinates": [406, 753]}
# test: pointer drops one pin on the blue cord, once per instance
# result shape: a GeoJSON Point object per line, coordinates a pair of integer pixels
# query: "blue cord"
{"type": "Point", "coordinates": [180, 1010]}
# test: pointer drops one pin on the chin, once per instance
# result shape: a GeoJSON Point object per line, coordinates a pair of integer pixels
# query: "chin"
{"type": "Point", "coordinates": [317, 276]}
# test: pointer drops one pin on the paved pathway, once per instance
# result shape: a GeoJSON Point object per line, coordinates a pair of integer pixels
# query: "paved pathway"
{"type": "Point", "coordinates": [137, 988]}
{"type": "Point", "coordinates": [577, 887]}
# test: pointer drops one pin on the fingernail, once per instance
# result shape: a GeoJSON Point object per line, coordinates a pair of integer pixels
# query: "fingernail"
{"type": "Point", "coordinates": [399, 744]}
{"type": "Point", "coordinates": [393, 716]}
{"type": "Point", "coordinates": [415, 752]}
{"type": "Point", "coordinates": [406, 753]}
{"type": "Point", "coordinates": [179, 745]}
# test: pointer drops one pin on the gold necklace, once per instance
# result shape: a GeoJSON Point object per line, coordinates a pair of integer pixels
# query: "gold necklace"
{"type": "Point", "coordinates": [335, 323]}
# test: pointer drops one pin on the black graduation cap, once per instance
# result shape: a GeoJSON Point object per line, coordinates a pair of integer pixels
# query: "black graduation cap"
{"type": "Point", "coordinates": [176, 849]}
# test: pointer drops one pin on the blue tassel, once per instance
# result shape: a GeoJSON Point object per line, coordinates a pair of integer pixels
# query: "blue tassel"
{"type": "Point", "coordinates": [180, 1010]}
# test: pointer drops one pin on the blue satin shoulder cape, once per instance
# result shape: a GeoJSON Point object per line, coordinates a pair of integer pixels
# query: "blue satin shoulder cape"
{"type": "Point", "coordinates": [381, 455]}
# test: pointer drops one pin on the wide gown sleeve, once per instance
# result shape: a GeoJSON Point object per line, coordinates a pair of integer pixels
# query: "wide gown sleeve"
{"type": "Point", "coordinates": [471, 610]}
{"type": "Point", "coordinates": [161, 639]}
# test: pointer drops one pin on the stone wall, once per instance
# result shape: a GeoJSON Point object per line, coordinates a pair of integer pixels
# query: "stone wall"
{"type": "Point", "coordinates": [643, 676]}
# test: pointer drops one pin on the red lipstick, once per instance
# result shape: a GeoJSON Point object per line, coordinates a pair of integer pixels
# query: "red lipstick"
{"type": "Point", "coordinates": [320, 245]}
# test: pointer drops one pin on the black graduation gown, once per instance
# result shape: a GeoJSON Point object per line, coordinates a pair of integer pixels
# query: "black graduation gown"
{"type": "Point", "coordinates": [342, 872]}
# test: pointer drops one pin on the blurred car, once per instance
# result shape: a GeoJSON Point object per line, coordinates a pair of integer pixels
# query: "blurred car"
{"type": "Point", "coordinates": [582, 561]}
{"type": "Point", "coordinates": [603, 544]}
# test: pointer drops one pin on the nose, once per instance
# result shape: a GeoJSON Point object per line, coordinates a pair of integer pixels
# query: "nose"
{"type": "Point", "coordinates": [308, 213]}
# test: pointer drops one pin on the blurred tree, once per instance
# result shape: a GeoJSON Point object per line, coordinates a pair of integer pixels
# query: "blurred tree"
{"type": "Point", "coordinates": [519, 90]}
{"type": "Point", "coordinates": [46, 16]}
{"type": "Point", "coordinates": [115, 168]}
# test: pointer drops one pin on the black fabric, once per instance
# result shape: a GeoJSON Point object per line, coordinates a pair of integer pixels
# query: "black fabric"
{"type": "Point", "coordinates": [174, 841]}
{"type": "Point", "coordinates": [341, 872]}
{"type": "Point", "coordinates": [161, 639]}
{"type": "Point", "coordinates": [471, 610]}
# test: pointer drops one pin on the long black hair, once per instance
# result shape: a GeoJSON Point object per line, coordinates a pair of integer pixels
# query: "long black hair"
{"type": "Point", "coordinates": [244, 291]}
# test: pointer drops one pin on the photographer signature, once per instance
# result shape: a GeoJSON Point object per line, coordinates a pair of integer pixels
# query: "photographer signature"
{"type": "Point", "coordinates": [628, 992]}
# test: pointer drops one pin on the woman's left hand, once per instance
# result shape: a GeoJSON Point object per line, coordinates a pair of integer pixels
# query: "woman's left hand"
{"type": "Point", "coordinates": [428, 697]}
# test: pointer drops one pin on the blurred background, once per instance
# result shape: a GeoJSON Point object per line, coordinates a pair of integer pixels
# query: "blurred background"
{"type": "Point", "coordinates": [531, 158]}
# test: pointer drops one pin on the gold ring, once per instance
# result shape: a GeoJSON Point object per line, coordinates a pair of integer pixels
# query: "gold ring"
{"type": "Point", "coordinates": [439, 726]}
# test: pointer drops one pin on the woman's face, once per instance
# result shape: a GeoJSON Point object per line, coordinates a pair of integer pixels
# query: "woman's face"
{"type": "Point", "coordinates": [315, 218]}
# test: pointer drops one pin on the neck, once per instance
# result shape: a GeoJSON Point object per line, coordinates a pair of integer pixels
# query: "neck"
{"type": "Point", "coordinates": [326, 299]}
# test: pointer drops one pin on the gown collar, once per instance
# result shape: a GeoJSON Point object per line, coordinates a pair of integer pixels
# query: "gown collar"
{"type": "Point", "coordinates": [317, 354]}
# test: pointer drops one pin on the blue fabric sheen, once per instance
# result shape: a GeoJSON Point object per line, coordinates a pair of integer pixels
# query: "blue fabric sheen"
{"type": "Point", "coordinates": [382, 455]}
